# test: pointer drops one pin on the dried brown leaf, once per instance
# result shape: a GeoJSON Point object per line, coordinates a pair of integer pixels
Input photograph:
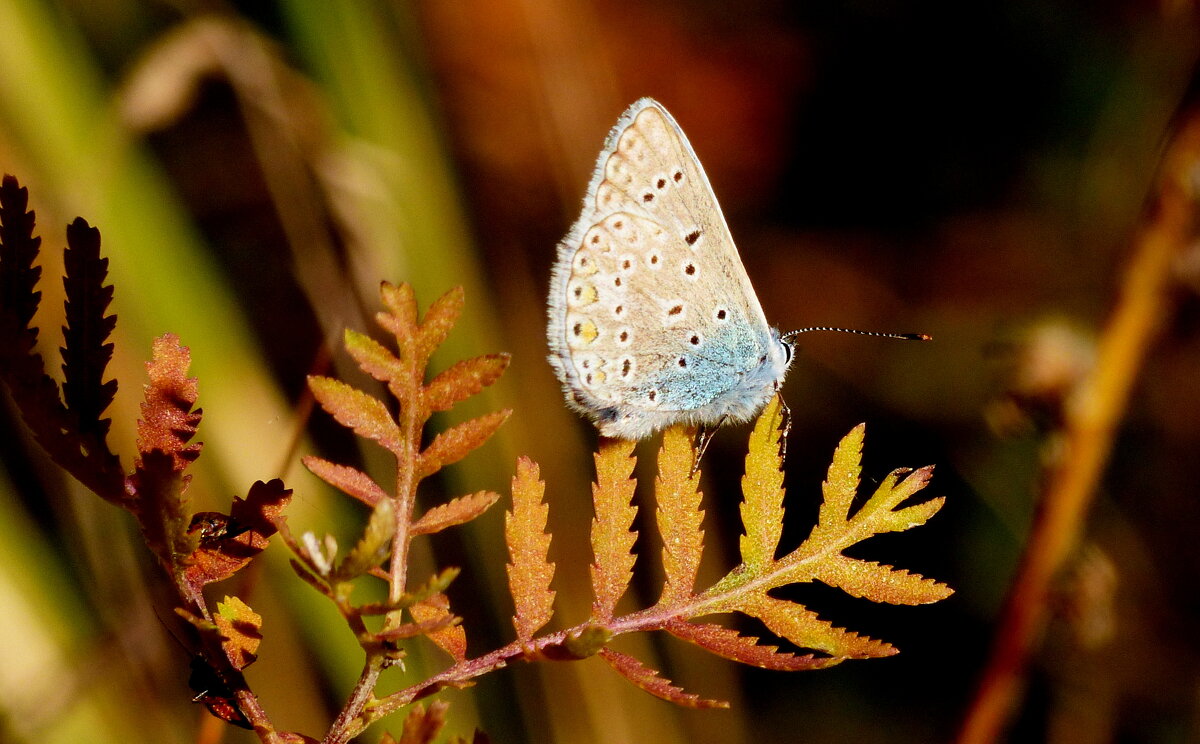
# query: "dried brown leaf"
{"type": "Point", "coordinates": [455, 512]}
{"type": "Point", "coordinates": [650, 681]}
{"type": "Point", "coordinates": [612, 536]}
{"type": "Point", "coordinates": [530, 571]}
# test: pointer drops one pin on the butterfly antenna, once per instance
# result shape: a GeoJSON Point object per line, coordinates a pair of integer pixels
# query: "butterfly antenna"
{"type": "Point", "coordinates": [902, 336]}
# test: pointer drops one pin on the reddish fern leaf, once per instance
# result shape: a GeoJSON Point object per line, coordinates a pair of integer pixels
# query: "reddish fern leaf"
{"type": "Point", "coordinates": [744, 649]}
{"type": "Point", "coordinates": [433, 613]}
{"type": "Point", "coordinates": [241, 631]}
{"type": "Point", "coordinates": [422, 726]}
{"type": "Point", "coordinates": [649, 680]}
{"type": "Point", "coordinates": [356, 410]}
{"type": "Point", "coordinates": [227, 543]}
{"type": "Point", "coordinates": [168, 422]}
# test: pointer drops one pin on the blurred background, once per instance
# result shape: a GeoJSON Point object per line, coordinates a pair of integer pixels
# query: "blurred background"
{"type": "Point", "coordinates": [978, 172]}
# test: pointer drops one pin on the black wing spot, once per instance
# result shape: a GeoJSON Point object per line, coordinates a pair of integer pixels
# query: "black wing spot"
{"type": "Point", "coordinates": [675, 310]}
{"type": "Point", "coordinates": [692, 237]}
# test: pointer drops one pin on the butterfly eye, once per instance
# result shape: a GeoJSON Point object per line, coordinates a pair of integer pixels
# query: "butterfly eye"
{"type": "Point", "coordinates": [787, 352]}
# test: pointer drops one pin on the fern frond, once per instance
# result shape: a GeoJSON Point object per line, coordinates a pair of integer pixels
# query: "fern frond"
{"type": "Point", "coordinates": [449, 636]}
{"type": "Point", "coordinates": [731, 645]}
{"type": "Point", "coordinates": [612, 533]}
{"type": "Point", "coordinates": [457, 442]}
{"type": "Point", "coordinates": [351, 481]}
{"type": "Point", "coordinates": [762, 489]}
{"type": "Point", "coordinates": [454, 512]}
{"type": "Point", "coordinates": [680, 514]}
{"type": "Point", "coordinates": [530, 572]}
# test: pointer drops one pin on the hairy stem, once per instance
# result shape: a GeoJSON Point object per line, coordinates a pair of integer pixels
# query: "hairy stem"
{"type": "Point", "coordinates": [348, 723]}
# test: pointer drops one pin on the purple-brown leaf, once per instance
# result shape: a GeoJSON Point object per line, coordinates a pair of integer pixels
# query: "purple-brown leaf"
{"type": "Point", "coordinates": [650, 681]}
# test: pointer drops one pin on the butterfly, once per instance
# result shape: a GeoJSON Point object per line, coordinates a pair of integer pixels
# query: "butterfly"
{"type": "Point", "coordinates": [652, 317]}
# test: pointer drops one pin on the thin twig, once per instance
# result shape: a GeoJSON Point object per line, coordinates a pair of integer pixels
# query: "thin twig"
{"type": "Point", "coordinates": [1091, 420]}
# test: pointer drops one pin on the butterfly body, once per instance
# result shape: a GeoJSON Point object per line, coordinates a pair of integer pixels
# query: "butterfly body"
{"type": "Point", "coordinates": [652, 318]}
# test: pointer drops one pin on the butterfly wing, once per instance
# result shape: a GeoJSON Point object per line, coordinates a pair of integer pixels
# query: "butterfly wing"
{"type": "Point", "coordinates": [652, 317]}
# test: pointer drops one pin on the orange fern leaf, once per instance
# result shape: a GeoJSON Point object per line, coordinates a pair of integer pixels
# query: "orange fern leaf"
{"type": "Point", "coordinates": [448, 635]}
{"type": "Point", "coordinates": [350, 481]}
{"type": "Point", "coordinates": [530, 572]}
{"type": "Point", "coordinates": [358, 411]}
{"type": "Point", "coordinates": [436, 325]}
{"type": "Point", "coordinates": [612, 536]}
{"type": "Point", "coordinates": [650, 681]}
{"type": "Point", "coordinates": [744, 649]}
{"type": "Point", "coordinates": [455, 512]}
{"type": "Point", "coordinates": [805, 629]}
{"type": "Point", "coordinates": [241, 631]}
{"type": "Point", "coordinates": [464, 379]}
{"type": "Point", "coordinates": [680, 514]}
{"type": "Point", "coordinates": [457, 442]}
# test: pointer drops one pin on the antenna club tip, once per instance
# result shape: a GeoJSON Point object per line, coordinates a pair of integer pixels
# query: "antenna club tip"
{"type": "Point", "coordinates": [919, 336]}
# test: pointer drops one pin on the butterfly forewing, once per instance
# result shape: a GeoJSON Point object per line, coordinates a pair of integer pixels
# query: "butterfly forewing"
{"type": "Point", "coordinates": [657, 316]}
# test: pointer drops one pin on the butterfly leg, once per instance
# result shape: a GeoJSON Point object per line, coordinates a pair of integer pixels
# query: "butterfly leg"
{"type": "Point", "coordinates": [703, 438]}
{"type": "Point", "coordinates": [786, 428]}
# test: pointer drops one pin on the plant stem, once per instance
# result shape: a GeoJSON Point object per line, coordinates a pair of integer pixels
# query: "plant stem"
{"type": "Point", "coordinates": [347, 725]}
{"type": "Point", "coordinates": [1091, 420]}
